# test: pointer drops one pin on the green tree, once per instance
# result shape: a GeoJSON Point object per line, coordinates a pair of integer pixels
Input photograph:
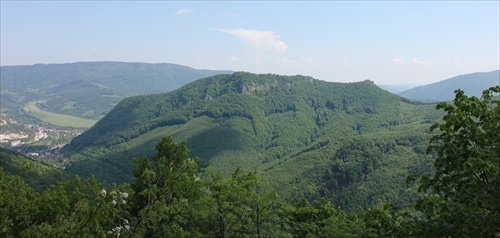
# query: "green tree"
{"type": "Point", "coordinates": [241, 206]}
{"type": "Point", "coordinates": [15, 208]}
{"type": "Point", "coordinates": [322, 219]}
{"type": "Point", "coordinates": [466, 183]}
{"type": "Point", "coordinates": [72, 208]}
{"type": "Point", "coordinates": [388, 220]}
{"type": "Point", "coordinates": [164, 191]}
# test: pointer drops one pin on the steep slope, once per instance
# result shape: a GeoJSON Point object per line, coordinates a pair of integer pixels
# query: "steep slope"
{"type": "Point", "coordinates": [294, 130]}
{"type": "Point", "coordinates": [38, 176]}
{"type": "Point", "coordinates": [472, 84]}
{"type": "Point", "coordinates": [89, 89]}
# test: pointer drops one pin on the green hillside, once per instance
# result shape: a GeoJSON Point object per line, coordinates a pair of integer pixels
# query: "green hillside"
{"type": "Point", "coordinates": [37, 175]}
{"type": "Point", "coordinates": [88, 89]}
{"type": "Point", "coordinates": [308, 137]}
{"type": "Point", "coordinates": [472, 84]}
{"type": "Point", "coordinates": [168, 198]}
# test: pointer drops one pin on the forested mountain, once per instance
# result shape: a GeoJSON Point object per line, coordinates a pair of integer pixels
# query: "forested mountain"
{"type": "Point", "coordinates": [354, 142]}
{"type": "Point", "coordinates": [472, 84]}
{"type": "Point", "coordinates": [88, 89]}
{"type": "Point", "coordinates": [169, 197]}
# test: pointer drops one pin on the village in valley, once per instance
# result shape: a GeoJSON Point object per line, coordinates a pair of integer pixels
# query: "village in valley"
{"type": "Point", "coordinates": [40, 142]}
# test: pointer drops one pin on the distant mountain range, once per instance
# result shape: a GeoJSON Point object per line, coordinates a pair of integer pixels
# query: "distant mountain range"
{"type": "Point", "coordinates": [89, 89]}
{"type": "Point", "coordinates": [472, 84]}
{"type": "Point", "coordinates": [307, 137]}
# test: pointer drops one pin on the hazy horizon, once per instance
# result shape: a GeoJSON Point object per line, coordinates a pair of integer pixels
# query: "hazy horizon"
{"type": "Point", "coordinates": [390, 43]}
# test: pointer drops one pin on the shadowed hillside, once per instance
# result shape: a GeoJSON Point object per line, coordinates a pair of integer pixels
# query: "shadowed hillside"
{"type": "Point", "coordinates": [37, 175]}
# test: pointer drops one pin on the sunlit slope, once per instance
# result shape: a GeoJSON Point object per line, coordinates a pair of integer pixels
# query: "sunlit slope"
{"type": "Point", "coordinates": [288, 128]}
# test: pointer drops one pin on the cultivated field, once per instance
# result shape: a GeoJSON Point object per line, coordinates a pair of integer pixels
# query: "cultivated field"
{"type": "Point", "coordinates": [56, 118]}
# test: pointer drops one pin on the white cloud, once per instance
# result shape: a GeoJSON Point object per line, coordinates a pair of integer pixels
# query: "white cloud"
{"type": "Point", "coordinates": [420, 62]}
{"type": "Point", "coordinates": [184, 11]}
{"type": "Point", "coordinates": [280, 46]}
{"type": "Point", "coordinates": [398, 60]}
{"type": "Point", "coordinates": [266, 40]}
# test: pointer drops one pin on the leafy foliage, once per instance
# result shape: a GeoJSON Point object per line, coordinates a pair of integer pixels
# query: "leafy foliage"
{"type": "Point", "coordinates": [38, 176]}
{"type": "Point", "coordinates": [241, 206]}
{"type": "Point", "coordinates": [466, 183]}
{"type": "Point", "coordinates": [322, 219]}
{"type": "Point", "coordinates": [164, 189]}
{"type": "Point", "coordinates": [169, 199]}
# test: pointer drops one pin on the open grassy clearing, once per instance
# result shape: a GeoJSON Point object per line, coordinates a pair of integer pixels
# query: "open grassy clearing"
{"type": "Point", "coordinates": [56, 118]}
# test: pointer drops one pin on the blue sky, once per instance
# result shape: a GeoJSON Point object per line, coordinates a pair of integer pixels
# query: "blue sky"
{"type": "Point", "coordinates": [405, 42]}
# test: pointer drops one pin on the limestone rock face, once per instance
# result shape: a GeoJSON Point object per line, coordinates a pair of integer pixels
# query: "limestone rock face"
{"type": "Point", "coordinates": [244, 90]}
{"type": "Point", "coordinates": [208, 98]}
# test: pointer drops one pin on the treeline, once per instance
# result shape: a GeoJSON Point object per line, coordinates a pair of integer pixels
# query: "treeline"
{"type": "Point", "coordinates": [171, 198]}
{"type": "Point", "coordinates": [168, 199]}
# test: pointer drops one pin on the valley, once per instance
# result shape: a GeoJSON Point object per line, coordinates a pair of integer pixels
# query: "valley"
{"type": "Point", "coordinates": [270, 123]}
{"type": "Point", "coordinates": [37, 141]}
{"type": "Point", "coordinates": [269, 118]}
{"type": "Point", "coordinates": [60, 101]}
{"type": "Point", "coordinates": [57, 119]}
{"type": "Point", "coordinates": [352, 145]}
{"type": "Point", "coordinates": [251, 119]}
{"type": "Point", "coordinates": [176, 199]}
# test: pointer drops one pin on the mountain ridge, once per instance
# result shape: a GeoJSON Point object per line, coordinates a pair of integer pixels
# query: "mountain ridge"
{"type": "Point", "coordinates": [472, 84]}
{"type": "Point", "coordinates": [266, 123]}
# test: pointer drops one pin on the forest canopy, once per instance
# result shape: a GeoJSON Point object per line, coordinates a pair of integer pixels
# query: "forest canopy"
{"type": "Point", "coordinates": [171, 198]}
